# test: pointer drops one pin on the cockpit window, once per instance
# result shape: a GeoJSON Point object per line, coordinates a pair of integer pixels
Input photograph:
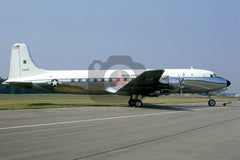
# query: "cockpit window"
{"type": "Point", "coordinates": [213, 75]}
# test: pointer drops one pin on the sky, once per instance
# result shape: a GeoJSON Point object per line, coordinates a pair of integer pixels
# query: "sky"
{"type": "Point", "coordinates": [71, 34]}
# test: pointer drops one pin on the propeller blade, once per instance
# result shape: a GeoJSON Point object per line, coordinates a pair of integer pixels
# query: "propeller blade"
{"type": "Point", "coordinates": [181, 79]}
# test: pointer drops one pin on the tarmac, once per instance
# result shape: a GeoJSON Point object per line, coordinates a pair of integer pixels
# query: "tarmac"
{"type": "Point", "coordinates": [185, 131]}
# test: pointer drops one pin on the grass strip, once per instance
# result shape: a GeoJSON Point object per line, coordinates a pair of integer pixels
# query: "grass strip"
{"type": "Point", "coordinates": [38, 101]}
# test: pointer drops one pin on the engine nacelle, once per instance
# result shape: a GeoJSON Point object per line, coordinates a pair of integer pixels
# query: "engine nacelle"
{"type": "Point", "coordinates": [155, 94]}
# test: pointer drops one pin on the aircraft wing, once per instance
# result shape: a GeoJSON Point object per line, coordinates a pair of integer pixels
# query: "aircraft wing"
{"type": "Point", "coordinates": [145, 83]}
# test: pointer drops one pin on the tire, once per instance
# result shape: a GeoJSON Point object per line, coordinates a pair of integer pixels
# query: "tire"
{"type": "Point", "coordinates": [138, 103]}
{"type": "Point", "coordinates": [211, 102]}
{"type": "Point", "coordinates": [131, 102]}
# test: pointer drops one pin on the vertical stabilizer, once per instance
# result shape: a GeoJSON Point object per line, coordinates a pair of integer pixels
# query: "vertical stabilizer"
{"type": "Point", "coordinates": [21, 64]}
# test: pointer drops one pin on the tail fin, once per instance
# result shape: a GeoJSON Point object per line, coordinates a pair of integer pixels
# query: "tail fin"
{"type": "Point", "coordinates": [21, 63]}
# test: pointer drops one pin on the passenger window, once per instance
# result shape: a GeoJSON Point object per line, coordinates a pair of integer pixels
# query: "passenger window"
{"type": "Point", "coordinates": [91, 79]}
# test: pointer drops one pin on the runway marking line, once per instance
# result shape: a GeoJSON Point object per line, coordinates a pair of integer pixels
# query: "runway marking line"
{"type": "Point", "coordinates": [96, 119]}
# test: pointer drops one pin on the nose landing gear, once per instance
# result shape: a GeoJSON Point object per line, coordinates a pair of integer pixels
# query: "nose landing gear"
{"type": "Point", "coordinates": [211, 101]}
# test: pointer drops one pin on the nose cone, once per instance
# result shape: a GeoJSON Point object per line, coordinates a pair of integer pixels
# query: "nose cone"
{"type": "Point", "coordinates": [228, 83]}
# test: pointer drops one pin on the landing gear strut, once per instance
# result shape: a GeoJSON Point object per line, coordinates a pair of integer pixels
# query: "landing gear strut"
{"type": "Point", "coordinates": [211, 101]}
{"type": "Point", "coordinates": [135, 102]}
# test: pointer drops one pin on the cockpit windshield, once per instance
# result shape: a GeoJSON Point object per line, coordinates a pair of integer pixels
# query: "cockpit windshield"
{"type": "Point", "coordinates": [213, 75]}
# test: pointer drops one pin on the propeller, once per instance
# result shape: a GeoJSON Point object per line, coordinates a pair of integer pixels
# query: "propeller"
{"type": "Point", "coordinates": [181, 86]}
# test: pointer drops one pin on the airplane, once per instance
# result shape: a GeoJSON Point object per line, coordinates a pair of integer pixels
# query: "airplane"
{"type": "Point", "coordinates": [135, 83]}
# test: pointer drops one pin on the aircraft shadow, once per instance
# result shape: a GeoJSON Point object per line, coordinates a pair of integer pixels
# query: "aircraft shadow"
{"type": "Point", "coordinates": [164, 107]}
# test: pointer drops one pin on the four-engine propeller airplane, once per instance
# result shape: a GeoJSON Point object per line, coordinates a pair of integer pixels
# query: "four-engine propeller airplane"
{"type": "Point", "coordinates": [136, 83]}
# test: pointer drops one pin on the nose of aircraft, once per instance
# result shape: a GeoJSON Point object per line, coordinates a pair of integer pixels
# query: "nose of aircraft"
{"type": "Point", "coordinates": [228, 83]}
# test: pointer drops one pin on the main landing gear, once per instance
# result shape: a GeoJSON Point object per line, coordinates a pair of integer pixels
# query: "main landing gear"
{"type": "Point", "coordinates": [135, 102]}
{"type": "Point", "coordinates": [211, 101]}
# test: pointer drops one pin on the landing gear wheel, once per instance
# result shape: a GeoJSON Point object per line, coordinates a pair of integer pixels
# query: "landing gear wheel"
{"type": "Point", "coordinates": [138, 103]}
{"type": "Point", "coordinates": [131, 102]}
{"type": "Point", "coordinates": [212, 102]}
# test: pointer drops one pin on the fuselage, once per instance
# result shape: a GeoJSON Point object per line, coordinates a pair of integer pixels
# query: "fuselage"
{"type": "Point", "coordinates": [99, 81]}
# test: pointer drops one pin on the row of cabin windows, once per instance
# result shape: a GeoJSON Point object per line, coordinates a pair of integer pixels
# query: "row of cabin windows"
{"type": "Point", "coordinates": [98, 79]}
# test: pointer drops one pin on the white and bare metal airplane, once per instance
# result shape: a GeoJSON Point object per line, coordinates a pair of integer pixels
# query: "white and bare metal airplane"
{"type": "Point", "coordinates": [135, 83]}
